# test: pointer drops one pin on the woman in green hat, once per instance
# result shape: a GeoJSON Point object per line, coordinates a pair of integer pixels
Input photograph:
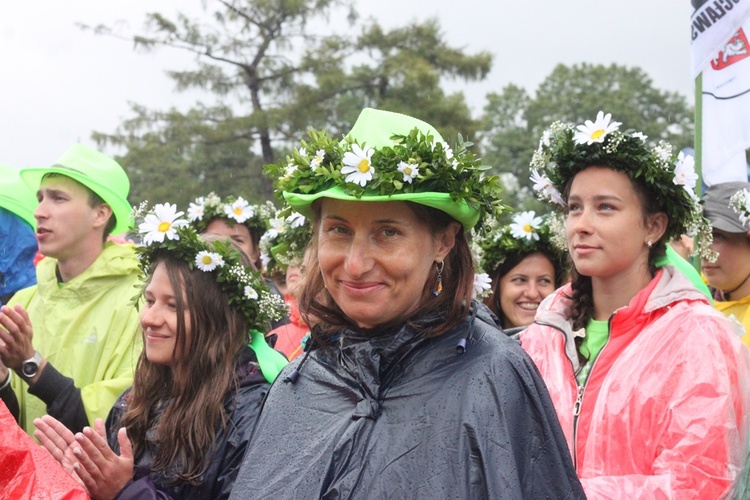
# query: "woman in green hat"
{"type": "Point", "coordinates": [181, 430]}
{"type": "Point", "coordinates": [407, 389]}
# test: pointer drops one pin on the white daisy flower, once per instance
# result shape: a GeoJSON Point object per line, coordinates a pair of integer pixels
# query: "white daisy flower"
{"type": "Point", "coordinates": [240, 210]}
{"type": "Point", "coordinates": [526, 225]}
{"type": "Point", "coordinates": [592, 132]}
{"type": "Point", "coordinates": [482, 284]}
{"type": "Point", "coordinates": [296, 220]}
{"type": "Point", "coordinates": [265, 259]}
{"type": "Point", "coordinates": [196, 210]}
{"type": "Point", "coordinates": [317, 159]}
{"type": "Point", "coordinates": [277, 226]}
{"type": "Point", "coordinates": [358, 165]}
{"type": "Point", "coordinates": [250, 293]}
{"type": "Point", "coordinates": [543, 184]}
{"type": "Point", "coordinates": [447, 151]}
{"type": "Point", "coordinates": [290, 169]}
{"type": "Point", "coordinates": [545, 140]}
{"type": "Point", "coordinates": [684, 172]}
{"type": "Point", "coordinates": [208, 261]}
{"type": "Point", "coordinates": [163, 221]}
{"type": "Point", "coordinates": [409, 170]}
{"type": "Point", "coordinates": [641, 136]}
{"type": "Point", "coordinates": [302, 152]}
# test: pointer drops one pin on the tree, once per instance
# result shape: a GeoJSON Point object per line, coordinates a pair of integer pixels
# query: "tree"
{"type": "Point", "coordinates": [513, 121]}
{"type": "Point", "coordinates": [272, 78]}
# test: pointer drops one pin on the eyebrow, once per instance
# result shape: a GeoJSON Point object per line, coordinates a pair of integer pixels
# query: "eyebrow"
{"type": "Point", "coordinates": [377, 221]}
{"type": "Point", "coordinates": [50, 191]}
{"type": "Point", "coordinates": [599, 197]}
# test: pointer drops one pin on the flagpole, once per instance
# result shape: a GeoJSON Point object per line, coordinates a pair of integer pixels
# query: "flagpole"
{"type": "Point", "coordinates": [698, 145]}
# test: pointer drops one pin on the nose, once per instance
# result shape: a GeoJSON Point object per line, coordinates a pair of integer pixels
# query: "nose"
{"type": "Point", "coordinates": [359, 259]}
{"type": "Point", "coordinates": [532, 291]}
{"type": "Point", "coordinates": [580, 222]}
{"type": "Point", "coordinates": [40, 212]}
{"type": "Point", "coordinates": [150, 317]}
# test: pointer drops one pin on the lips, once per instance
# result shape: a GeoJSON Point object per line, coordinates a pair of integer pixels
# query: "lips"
{"type": "Point", "coordinates": [528, 306]}
{"type": "Point", "coordinates": [361, 289]}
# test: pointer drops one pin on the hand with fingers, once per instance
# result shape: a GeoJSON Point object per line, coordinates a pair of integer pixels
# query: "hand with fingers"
{"type": "Point", "coordinates": [103, 472]}
{"type": "Point", "coordinates": [59, 441]}
{"type": "Point", "coordinates": [15, 337]}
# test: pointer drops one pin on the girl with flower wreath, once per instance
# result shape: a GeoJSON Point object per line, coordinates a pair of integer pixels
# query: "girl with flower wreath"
{"type": "Point", "coordinates": [525, 266]}
{"type": "Point", "coordinates": [182, 428]}
{"type": "Point", "coordinates": [649, 381]}
{"type": "Point", "coordinates": [407, 389]}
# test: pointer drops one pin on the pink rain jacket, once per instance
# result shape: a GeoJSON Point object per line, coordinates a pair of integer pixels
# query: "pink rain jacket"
{"type": "Point", "coordinates": [663, 413]}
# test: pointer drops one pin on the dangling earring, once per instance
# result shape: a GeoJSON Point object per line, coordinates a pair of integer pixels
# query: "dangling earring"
{"type": "Point", "coordinates": [650, 243]}
{"type": "Point", "coordinates": [439, 285]}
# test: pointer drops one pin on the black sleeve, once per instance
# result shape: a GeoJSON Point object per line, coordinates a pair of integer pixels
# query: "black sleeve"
{"type": "Point", "coordinates": [10, 400]}
{"type": "Point", "coordinates": [62, 397]}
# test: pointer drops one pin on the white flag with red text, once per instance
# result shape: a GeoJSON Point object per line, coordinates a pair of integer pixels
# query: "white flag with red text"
{"type": "Point", "coordinates": [726, 86]}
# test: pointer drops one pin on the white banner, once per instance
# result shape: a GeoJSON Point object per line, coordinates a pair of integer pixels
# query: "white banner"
{"type": "Point", "coordinates": [713, 23]}
{"type": "Point", "coordinates": [726, 110]}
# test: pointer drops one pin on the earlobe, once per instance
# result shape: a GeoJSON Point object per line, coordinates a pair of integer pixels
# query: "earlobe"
{"type": "Point", "coordinates": [658, 226]}
{"type": "Point", "coordinates": [103, 213]}
{"type": "Point", "coordinates": [447, 240]}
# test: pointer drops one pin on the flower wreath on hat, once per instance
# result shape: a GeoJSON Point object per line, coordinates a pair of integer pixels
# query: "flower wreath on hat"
{"type": "Point", "coordinates": [564, 151]}
{"type": "Point", "coordinates": [740, 203]}
{"type": "Point", "coordinates": [163, 232]}
{"type": "Point", "coordinates": [235, 210]}
{"type": "Point", "coordinates": [416, 164]}
{"type": "Point", "coordinates": [285, 241]}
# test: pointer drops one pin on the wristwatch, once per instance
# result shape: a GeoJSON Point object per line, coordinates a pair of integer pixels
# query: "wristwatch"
{"type": "Point", "coordinates": [30, 367]}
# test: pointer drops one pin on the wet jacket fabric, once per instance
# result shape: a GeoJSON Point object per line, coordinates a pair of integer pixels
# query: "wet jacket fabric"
{"type": "Point", "coordinates": [396, 415]}
{"type": "Point", "coordinates": [17, 250]}
{"type": "Point", "coordinates": [288, 337]}
{"type": "Point", "coordinates": [664, 411]}
{"type": "Point", "coordinates": [242, 407]}
{"type": "Point", "coordinates": [89, 332]}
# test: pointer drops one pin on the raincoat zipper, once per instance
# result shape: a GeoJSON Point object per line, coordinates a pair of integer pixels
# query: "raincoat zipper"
{"type": "Point", "coordinates": [581, 388]}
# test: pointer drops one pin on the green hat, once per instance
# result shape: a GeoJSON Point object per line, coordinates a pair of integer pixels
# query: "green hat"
{"type": "Point", "coordinates": [15, 195]}
{"type": "Point", "coordinates": [98, 172]}
{"type": "Point", "coordinates": [389, 157]}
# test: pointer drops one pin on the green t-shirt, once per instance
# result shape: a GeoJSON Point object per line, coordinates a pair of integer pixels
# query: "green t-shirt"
{"type": "Point", "coordinates": [597, 333]}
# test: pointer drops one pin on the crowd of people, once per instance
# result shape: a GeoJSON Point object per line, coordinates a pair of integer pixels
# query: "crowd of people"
{"type": "Point", "coordinates": [386, 330]}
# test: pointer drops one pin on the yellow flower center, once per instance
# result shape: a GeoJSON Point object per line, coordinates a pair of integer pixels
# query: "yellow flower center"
{"type": "Point", "coordinates": [206, 259]}
{"type": "Point", "coordinates": [596, 134]}
{"type": "Point", "coordinates": [164, 227]}
{"type": "Point", "coordinates": [527, 228]}
{"type": "Point", "coordinates": [238, 211]}
{"type": "Point", "coordinates": [407, 170]}
{"type": "Point", "coordinates": [364, 166]}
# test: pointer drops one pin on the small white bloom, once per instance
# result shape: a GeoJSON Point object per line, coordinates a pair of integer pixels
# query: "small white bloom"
{"type": "Point", "coordinates": [317, 159]}
{"type": "Point", "coordinates": [296, 220]}
{"type": "Point", "coordinates": [482, 284]}
{"type": "Point", "coordinates": [208, 261]}
{"type": "Point", "coordinates": [250, 293]}
{"type": "Point", "coordinates": [163, 221]}
{"type": "Point", "coordinates": [358, 165]}
{"type": "Point", "coordinates": [544, 141]}
{"type": "Point", "coordinates": [277, 226]}
{"type": "Point", "coordinates": [409, 170]}
{"type": "Point", "coordinates": [526, 225]}
{"type": "Point", "coordinates": [240, 210]}
{"type": "Point", "coordinates": [592, 132]}
{"type": "Point", "coordinates": [641, 136]}
{"type": "Point", "coordinates": [290, 169]}
{"type": "Point", "coordinates": [196, 210]}
{"type": "Point", "coordinates": [265, 259]}
{"type": "Point", "coordinates": [544, 185]}
{"type": "Point", "coordinates": [684, 172]}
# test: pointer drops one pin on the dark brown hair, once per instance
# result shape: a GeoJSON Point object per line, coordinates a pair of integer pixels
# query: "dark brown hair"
{"type": "Point", "coordinates": [190, 394]}
{"type": "Point", "coordinates": [94, 201]}
{"type": "Point", "coordinates": [317, 307]}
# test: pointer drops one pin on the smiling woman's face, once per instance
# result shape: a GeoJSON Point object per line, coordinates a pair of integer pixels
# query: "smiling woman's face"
{"type": "Point", "coordinates": [376, 258]}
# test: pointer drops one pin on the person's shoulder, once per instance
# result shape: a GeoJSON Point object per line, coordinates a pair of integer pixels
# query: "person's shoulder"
{"type": "Point", "coordinates": [23, 296]}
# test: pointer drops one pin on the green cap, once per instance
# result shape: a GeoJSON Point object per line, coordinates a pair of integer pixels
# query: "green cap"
{"type": "Point", "coordinates": [98, 172]}
{"type": "Point", "coordinates": [375, 128]}
{"type": "Point", "coordinates": [15, 195]}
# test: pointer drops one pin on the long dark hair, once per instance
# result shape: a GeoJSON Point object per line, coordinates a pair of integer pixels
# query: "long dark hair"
{"type": "Point", "coordinates": [318, 308]}
{"type": "Point", "coordinates": [190, 394]}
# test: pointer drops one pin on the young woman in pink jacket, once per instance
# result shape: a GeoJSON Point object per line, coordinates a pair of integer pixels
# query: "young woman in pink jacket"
{"type": "Point", "coordinates": [650, 383]}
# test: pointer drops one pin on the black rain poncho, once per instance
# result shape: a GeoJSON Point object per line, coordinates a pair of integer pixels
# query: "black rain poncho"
{"type": "Point", "coordinates": [397, 415]}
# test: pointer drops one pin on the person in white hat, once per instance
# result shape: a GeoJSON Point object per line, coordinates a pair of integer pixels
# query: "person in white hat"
{"type": "Point", "coordinates": [72, 339]}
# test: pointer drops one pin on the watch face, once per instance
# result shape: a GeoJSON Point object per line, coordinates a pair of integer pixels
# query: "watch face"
{"type": "Point", "coordinates": [29, 369]}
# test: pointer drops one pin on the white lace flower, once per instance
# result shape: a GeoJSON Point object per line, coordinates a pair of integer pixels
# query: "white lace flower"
{"type": "Point", "coordinates": [240, 210]}
{"type": "Point", "coordinates": [591, 132]}
{"type": "Point", "coordinates": [482, 284]}
{"type": "Point", "coordinates": [684, 173]}
{"type": "Point", "coordinates": [740, 203]}
{"type": "Point", "coordinates": [163, 221]}
{"type": "Point", "coordinates": [208, 261]}
{"type": "Point", "coordinates": [317, 159]}
{"type": "Point", "coordinates": [526, 225]}
{"type": "Point", "coordinates": [409, 170]}
{"type": "Point", "coordinates": [265, 259]}
{"type": "Point", "coordinates": [358, 165]}
{"type": "Point", "coordinates": [250, 293]}
{"type": "Point", "coordinates": [543, 185]}
{"type": "Point", "coordinates": [296, 220]}
{"type": "Point", "coordinates": [196, 210]}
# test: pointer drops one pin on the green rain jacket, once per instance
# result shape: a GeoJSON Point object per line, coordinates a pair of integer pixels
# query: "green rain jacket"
{"type": "Point", "coordinates": [89, 331]}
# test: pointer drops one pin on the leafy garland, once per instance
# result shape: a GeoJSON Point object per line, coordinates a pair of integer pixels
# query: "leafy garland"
{"type": "Point", "coordinates": [164, 233]}
{"type": "Point", "coordinates": [285, 241]}
{"type": "Point", "coordinates": [526, 234]}
{"type": "Point", "coordinates": [234, 210]}
{"type": "Point", "coordinates": [415, 163]}
{"type": "Point", "coordinates": [564, 151]}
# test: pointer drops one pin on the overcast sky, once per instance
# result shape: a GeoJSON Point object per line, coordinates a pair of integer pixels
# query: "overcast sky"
{"type": "Point", "coordinates": [59, 83]}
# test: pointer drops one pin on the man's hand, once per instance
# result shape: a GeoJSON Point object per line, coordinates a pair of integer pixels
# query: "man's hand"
{"type": "Point", "coordinates": [15, 337]}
